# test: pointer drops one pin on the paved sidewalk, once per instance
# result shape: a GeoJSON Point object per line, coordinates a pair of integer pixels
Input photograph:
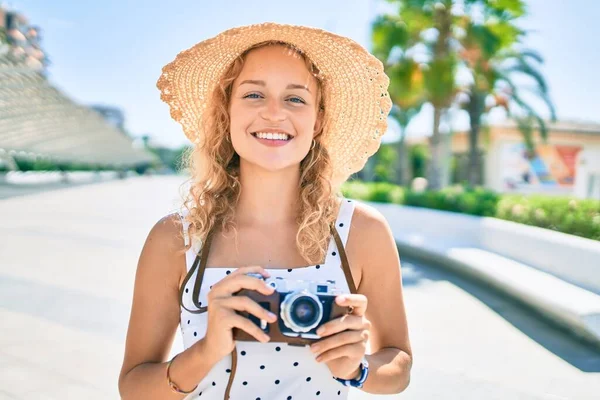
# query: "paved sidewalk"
{"type": "Point", "coordinates": [67, 264]}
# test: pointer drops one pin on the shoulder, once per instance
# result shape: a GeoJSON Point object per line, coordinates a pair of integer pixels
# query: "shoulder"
{"type": "Point", "coordinates": [368, 221]}
{"type": "Point", "coordinates": [167, 232]}
{"type": "Point", "coordinates": [371, 243]}
{"type": "Point", "coordinates": [164, 250]}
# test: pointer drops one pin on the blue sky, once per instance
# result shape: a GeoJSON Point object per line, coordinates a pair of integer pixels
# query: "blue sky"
{"type": "Point", "coordinates": [111, 52]}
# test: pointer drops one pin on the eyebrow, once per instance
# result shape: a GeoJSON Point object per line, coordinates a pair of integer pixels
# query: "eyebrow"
{"type": "Point", "coordinates": [262, 83]}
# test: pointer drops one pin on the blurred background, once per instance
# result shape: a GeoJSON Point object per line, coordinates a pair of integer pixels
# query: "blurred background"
{"type": "Point", "coordinates": [489, 176]}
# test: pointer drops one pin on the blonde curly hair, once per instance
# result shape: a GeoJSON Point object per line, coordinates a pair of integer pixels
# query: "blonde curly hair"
{"type": "Point", "coordinates": [214, 169]}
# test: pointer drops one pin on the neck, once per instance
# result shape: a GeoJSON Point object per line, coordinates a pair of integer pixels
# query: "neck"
{"type": "Point", "coordinates": [267, 198]}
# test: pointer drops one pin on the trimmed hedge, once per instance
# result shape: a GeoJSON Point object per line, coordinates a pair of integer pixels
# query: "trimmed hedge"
{"type": "Point", "coordinates": [579, 217]}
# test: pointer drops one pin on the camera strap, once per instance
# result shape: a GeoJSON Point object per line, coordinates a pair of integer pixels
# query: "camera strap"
{"type": "Point", "coordinates": [345, 265]}
{"type": "Point", "coordinates": [200, 265]}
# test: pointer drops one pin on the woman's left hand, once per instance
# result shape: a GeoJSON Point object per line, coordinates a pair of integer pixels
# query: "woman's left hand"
{"type": "Point", "coordinates": [344, 339]}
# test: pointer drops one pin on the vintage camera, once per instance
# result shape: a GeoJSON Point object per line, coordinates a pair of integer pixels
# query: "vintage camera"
{"type": "Point", "coordinates": [301, 306]}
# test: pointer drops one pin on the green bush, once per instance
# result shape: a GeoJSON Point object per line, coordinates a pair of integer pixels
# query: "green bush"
{"type": "Point", "coordinates": [579, 217]}
{"type": "Point", "coordinates": [563, 214]}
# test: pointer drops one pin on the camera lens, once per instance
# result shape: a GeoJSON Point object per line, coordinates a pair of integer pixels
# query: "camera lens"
{"type": "Point", "coordinates": [301, 311]}
{"type": "Point", "coordinates": [304, 311]}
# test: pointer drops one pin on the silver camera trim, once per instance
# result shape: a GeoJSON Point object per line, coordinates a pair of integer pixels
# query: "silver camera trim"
{"type": "Point", "coordinates": [285, 310]}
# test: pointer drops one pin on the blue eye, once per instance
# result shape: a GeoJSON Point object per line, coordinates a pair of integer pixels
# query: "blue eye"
{"type": "Point", "coordinates": [300, 101]}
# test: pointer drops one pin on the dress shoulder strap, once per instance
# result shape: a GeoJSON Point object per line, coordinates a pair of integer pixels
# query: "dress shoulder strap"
{"type": "Point", "coordinates": [185, 226]}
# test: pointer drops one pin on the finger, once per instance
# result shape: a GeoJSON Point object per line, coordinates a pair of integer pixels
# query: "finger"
{"type": "Point", "coordinates": [243, 303]}
{"type": "Point", "coordinates": [341, 339]}
{"type": "Point", "coordinates": [256, 269]}
{"type": "Point", "coordinates": [234, 283]}
{"type": "Point", "coordinates": [354, 351]}
{"type": "Point", "coordinates": [345, 322]}
{"type": "Point", "coordinates": [237, 321]}
{"type": "Point", "coordinates": [358, 302]}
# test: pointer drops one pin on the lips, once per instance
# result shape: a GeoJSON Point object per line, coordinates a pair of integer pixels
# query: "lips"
{"type": "Point", "coordinates": [272, 142]}
{"type": "Point", "coordinates": [255, 134]}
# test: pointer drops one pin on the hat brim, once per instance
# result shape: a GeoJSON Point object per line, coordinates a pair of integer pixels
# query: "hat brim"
{"type": "Point", "coordinates": [355, 93]}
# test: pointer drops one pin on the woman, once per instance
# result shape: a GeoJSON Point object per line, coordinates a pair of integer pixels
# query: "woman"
{"type": "Point", "coordinates": [280, 117]}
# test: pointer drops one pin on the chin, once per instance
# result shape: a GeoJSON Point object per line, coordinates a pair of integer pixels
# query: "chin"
{"type": "Point", "coordinates": [274, 166]}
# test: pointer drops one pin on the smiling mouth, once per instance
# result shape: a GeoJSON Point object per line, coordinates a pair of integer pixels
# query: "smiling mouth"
{"type": "Point", "coordinates": [282, 137]}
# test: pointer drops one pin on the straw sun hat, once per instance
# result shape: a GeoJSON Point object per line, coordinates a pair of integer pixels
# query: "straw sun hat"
{"type": "Point", "coordinates": [354, 84]}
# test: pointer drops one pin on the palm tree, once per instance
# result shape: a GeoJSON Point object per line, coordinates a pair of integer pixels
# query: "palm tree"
{"type": "Point", "coordinates": [420, 32]}
{"type": "Point", "coordinates": [420, 70]}
{"type": "Point", "coordinates": [489, 50]}
{"type": "Point", "coordinates": [407, 87]}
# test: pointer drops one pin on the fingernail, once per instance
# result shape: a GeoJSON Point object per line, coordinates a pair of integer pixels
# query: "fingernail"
{"type": "Point", "coordinates": [272, 316]}
{"type": "Point", "coordinates": [314, 348]}
{"type": "Point", "coordinates": [320, 331]}
{"type": "Point", "coordinates": [341, 299]}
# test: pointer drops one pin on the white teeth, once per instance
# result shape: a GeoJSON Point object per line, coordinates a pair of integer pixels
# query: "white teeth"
{"type": "Point", "coordinates": [272, 136]}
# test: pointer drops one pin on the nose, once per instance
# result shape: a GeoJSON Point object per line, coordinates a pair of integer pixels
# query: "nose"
{"type": "Point", "coordinates": [273, 111]}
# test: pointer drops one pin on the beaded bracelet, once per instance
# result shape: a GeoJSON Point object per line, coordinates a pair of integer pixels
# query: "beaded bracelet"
{"type": "Point", "coordinates": [172, 384]}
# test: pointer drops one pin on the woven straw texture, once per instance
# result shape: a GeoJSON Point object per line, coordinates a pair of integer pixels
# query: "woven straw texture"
{"type": "Point", "coordinates": [355, 86]}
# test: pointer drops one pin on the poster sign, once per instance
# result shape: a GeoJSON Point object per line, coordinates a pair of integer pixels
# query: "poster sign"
{"type": "Point", "coordinates": [552, 166]}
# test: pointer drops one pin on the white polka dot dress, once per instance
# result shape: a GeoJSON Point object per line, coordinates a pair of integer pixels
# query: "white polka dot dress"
{"type": "Point", "coordinates": [267, 371]}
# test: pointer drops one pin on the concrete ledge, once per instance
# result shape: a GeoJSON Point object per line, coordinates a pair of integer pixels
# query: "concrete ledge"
{"type": "Point", "coordinates": [34, 178]}
{"type": "Point", "coordinates": [572, 307]}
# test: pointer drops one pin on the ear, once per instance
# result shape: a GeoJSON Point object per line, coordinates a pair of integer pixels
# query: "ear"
{"type": "Point", "coordinates": [318, 123]}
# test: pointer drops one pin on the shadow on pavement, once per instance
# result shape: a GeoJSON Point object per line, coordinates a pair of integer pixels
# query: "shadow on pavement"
{"type": "Point", "coordinates": [550, 336]}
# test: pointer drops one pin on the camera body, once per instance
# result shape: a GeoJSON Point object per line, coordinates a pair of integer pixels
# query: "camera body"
{"type": "Point", "coordinates": [302, 306]}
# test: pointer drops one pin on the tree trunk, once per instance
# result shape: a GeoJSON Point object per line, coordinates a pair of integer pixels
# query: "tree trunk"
{"type": "Point", "coordinates": [475, 111]}
{"type": "Point", "coordinates": [437, 174]}
{"type": "Point", "coordinates": [403, 162]}
{"type": "Point", "coordinates": [434, 166]}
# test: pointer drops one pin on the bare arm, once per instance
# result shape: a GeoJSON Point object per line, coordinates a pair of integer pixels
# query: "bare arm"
{"type": "Point", "coordinates": [154, 319]}
{"type": "Point", "coordinates": [390, 361]}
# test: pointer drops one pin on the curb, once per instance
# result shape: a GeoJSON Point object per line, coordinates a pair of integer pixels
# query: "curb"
{"type": "Point", "coordinates": [574, 309]}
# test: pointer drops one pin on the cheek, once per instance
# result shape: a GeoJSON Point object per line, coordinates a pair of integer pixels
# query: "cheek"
{"type": "Point", "coordinates": [237, 118]}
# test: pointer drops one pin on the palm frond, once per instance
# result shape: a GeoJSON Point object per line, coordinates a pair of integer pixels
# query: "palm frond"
{"type": "Point", "coordinates": [524, 68]}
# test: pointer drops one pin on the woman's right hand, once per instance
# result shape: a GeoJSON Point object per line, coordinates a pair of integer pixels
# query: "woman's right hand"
{"type": "Point", "coordinates": [222, 307]}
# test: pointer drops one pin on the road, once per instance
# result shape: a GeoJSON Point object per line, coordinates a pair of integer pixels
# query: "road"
{"type": "Point", "coordinates": [67, 265]}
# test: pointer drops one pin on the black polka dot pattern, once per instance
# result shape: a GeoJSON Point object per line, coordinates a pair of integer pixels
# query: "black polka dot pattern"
{"type": "Point", "coordinates": [265, 369]}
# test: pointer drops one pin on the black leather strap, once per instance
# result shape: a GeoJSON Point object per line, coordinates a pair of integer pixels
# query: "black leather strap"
{"type": "Point", "coordinates": [200, 262]}
{"type": "Point", "coordinates": [344, 258]}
